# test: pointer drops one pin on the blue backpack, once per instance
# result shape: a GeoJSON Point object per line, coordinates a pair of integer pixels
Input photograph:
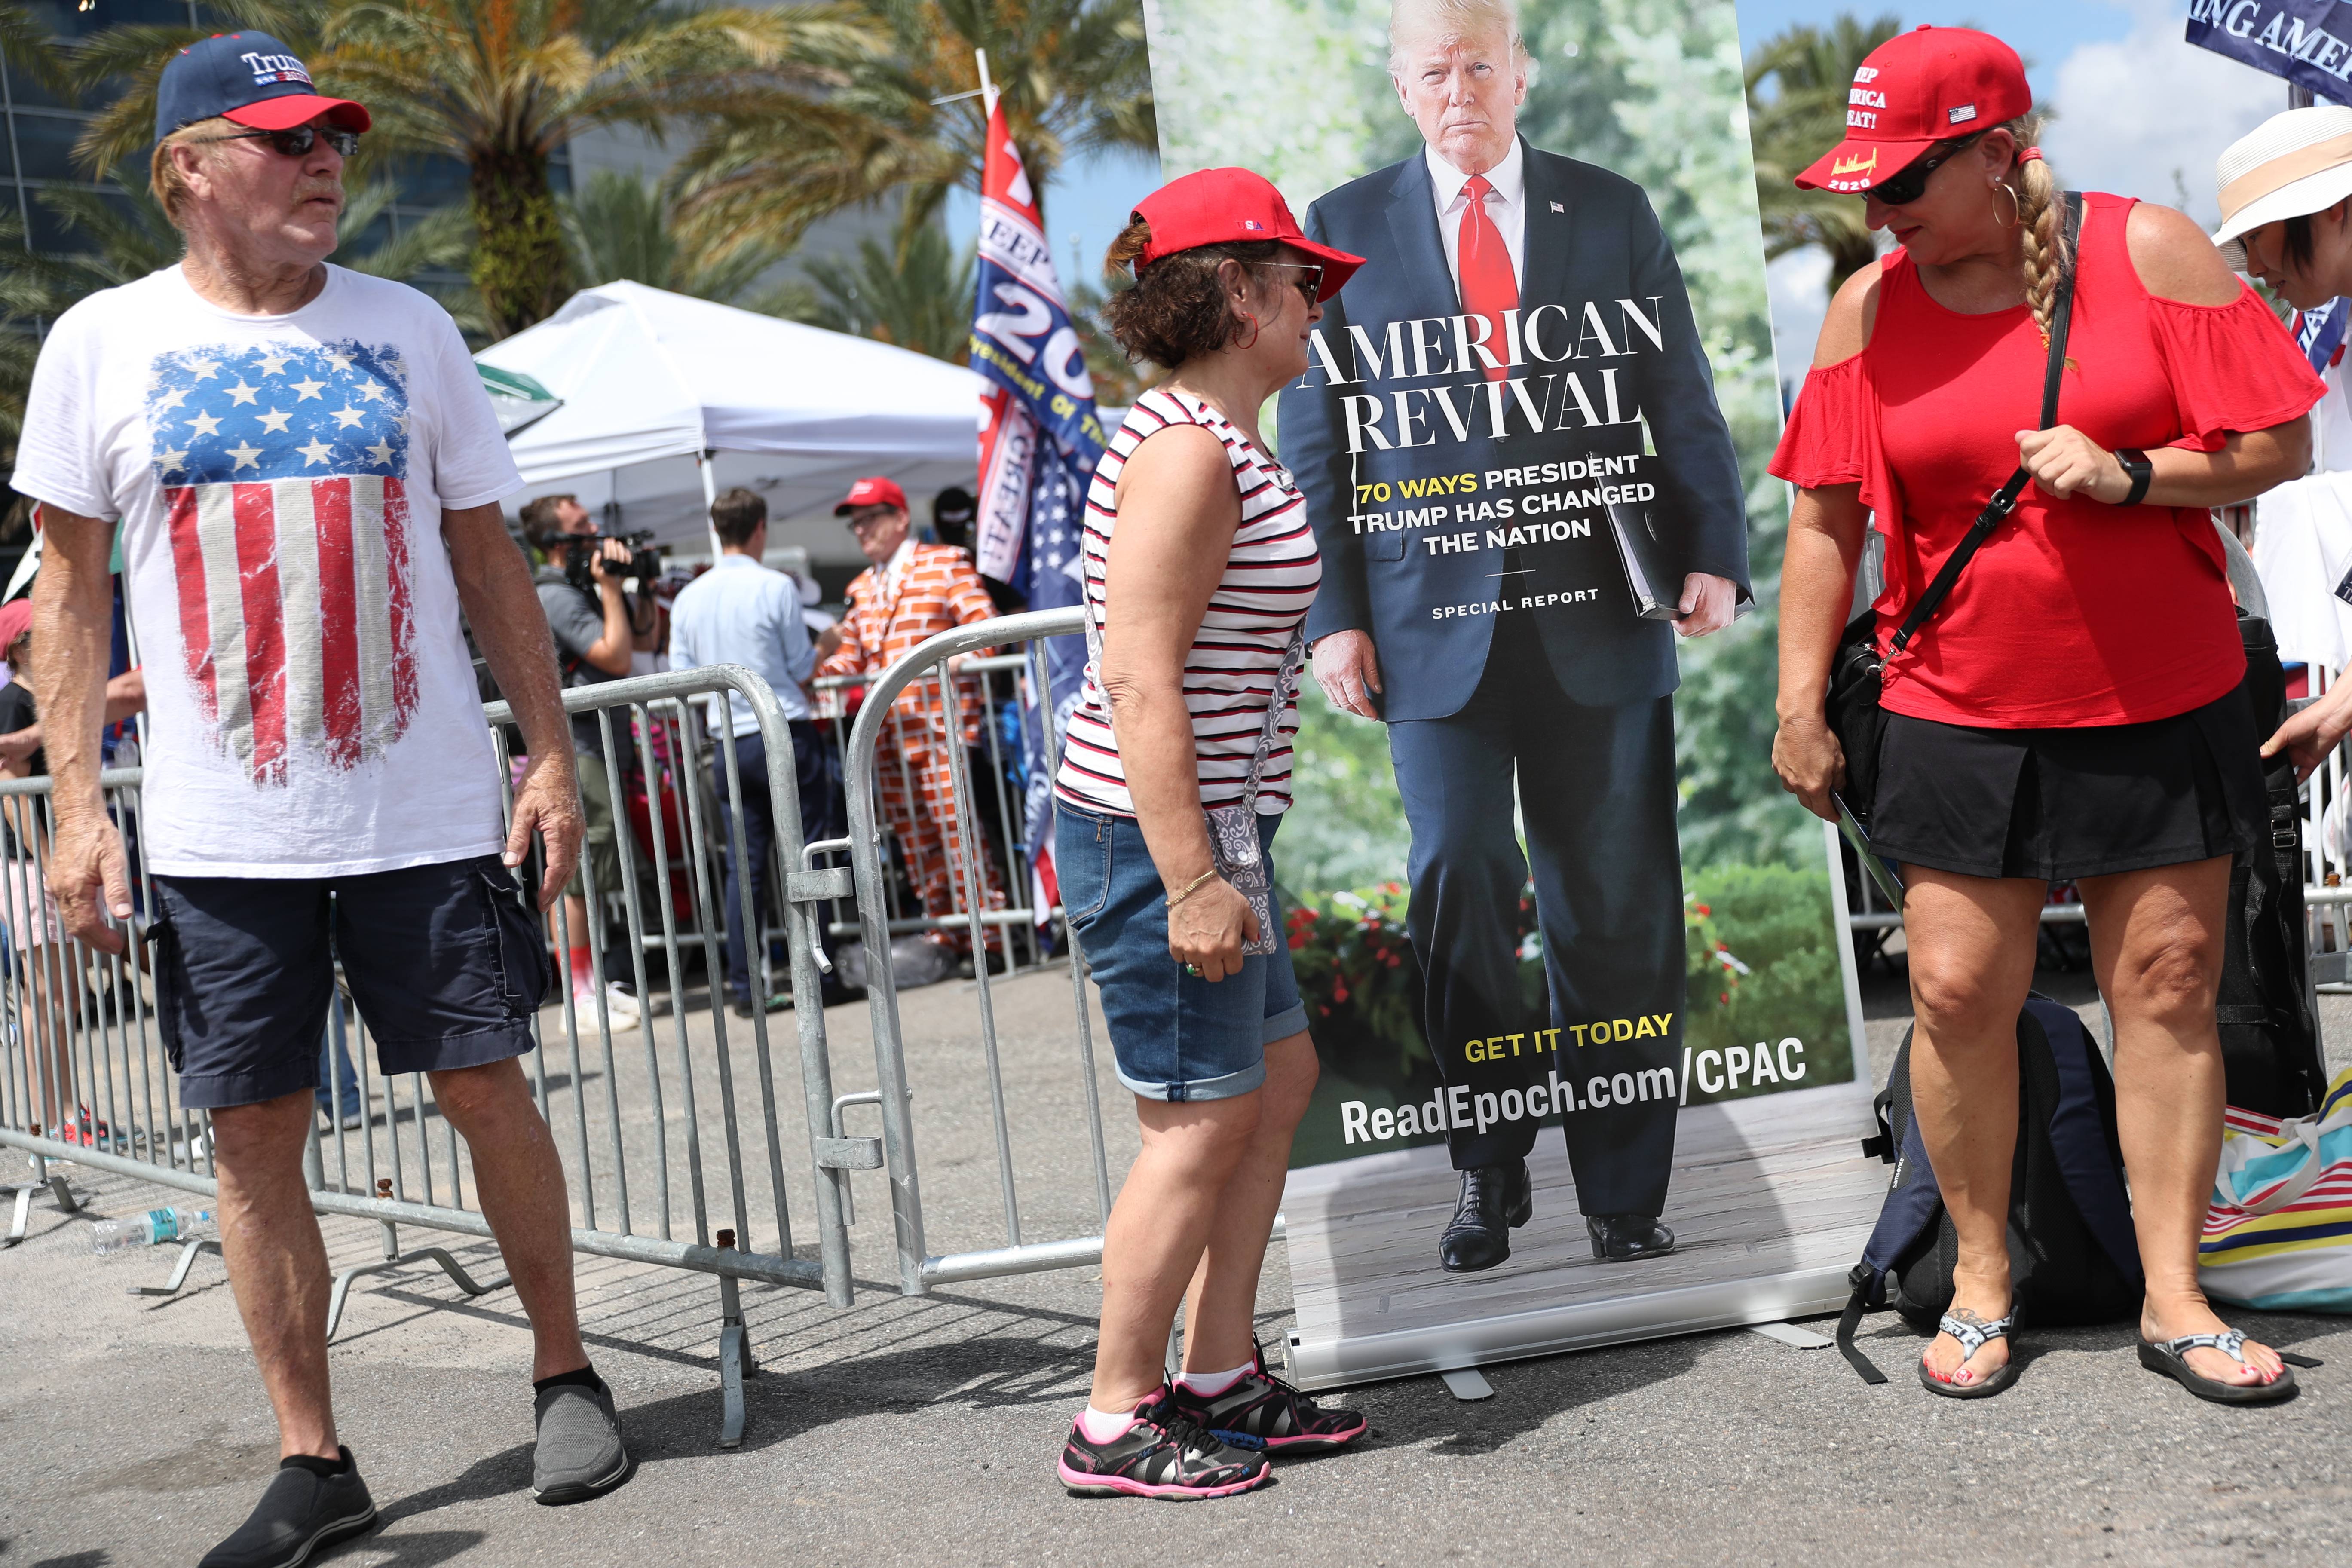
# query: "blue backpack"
{"type": "Point", "coordinates": [2072, 1256]}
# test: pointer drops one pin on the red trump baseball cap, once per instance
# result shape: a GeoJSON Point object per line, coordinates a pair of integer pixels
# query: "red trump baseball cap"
{"type": "Point", "coordinates": [875, 492]}
{"type": "Point", "coordinates": [1230, 207]}
{"type": "Point", "coordinates": [1919, 87]}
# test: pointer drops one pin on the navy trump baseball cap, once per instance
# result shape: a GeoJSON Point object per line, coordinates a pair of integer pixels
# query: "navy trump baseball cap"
{"type": "Point", "coordinates": [250, 77]}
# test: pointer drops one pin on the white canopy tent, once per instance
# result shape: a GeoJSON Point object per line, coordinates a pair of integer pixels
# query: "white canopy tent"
{"type": "Point", "coordinates": [649, 380]}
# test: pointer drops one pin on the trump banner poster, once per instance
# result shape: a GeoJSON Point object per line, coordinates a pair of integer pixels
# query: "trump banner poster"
{"type": "Point", "coordinates": [1040, 439]}
{"type": "Point", "coordinates": [1576, 970]}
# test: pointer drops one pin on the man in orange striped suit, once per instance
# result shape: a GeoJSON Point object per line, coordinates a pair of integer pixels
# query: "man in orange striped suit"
{"type": "Point", "coordinates": [912, 592]}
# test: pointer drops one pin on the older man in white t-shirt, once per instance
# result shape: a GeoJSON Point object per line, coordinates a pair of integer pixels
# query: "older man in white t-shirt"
{"type": "Point", "coordinates": [306, 475]}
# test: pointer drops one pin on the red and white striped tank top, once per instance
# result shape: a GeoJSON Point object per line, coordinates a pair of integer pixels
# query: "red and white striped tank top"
{"type": "Point", "coordinates": [1229, 676]}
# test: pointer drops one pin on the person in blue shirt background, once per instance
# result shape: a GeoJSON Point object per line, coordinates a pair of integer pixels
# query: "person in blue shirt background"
{"type": "Point", "coordinates": [740, 612]}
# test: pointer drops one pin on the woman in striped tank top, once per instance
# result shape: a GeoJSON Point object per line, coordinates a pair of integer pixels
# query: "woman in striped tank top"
{"type": "Point", "coordinates": [1200, 566]}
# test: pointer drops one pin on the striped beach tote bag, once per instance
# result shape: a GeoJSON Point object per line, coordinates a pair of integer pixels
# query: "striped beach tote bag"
{"type": "Point", "coordinates": [2279, 1233]}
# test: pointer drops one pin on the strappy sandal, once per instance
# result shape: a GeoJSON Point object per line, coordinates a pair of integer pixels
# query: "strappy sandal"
{"type": "Point", "coordinates": [1973, 1337]}
{"type": "Point", "coordinates": [2171, 1359]}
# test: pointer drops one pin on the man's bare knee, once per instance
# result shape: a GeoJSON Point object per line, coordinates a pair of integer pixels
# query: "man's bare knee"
{"type": "Point", "coordinates": [248, 1140]}
{"type": "Point", "coordinates": [471, 1094]}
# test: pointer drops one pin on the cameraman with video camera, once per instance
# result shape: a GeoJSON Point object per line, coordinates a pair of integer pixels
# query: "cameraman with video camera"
{"type": "Point", "coordinates": [581, 590]}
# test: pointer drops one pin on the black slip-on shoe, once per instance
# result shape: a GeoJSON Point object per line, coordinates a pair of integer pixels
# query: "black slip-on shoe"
{"type": "Point", "coordinates": [579, 1454]}
{"type": "Point", "coordinates": [300, 1513]}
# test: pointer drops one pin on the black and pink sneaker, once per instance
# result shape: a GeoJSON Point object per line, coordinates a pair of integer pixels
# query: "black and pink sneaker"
{"type": "Point", "coordinates": [1261, 1411]}
{"type": "Point", "coordinates": [1166, 1454]}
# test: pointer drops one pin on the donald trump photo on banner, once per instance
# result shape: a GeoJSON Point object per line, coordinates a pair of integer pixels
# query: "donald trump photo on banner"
{"type": "Point", "coordinates": [1508, 441]}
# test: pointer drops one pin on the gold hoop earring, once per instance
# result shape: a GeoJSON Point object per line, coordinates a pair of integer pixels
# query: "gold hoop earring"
{"type": "Point", "coordinates": [2016, 209]}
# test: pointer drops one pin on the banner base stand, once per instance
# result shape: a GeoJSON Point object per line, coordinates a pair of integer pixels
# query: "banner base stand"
{"type": "Point", "coordinates": [1346, 1361]}
{"type": "Point", "coordinates": [1790, 1334]}
{"type": "Point", "coordinates": [1468, 1384]}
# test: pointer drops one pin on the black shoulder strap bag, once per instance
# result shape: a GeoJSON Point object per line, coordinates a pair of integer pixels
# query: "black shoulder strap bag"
{"type": "Point", "coordinates": [1857, 674]}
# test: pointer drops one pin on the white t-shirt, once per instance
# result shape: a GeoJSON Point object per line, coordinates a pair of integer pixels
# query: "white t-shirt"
{"type": "Point", "coordinates": [280, 481]}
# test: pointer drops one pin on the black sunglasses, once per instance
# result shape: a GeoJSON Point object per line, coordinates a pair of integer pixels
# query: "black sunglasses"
{"type": "Point", "coordinates": [298, 143]}
{"type": "Point", "coordinates": [1311, 285]}
{"type": "Point", "coordinates": [1910, 181]}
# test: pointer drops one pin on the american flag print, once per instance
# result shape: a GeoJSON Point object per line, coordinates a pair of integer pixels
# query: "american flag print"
{"type": "Point", "coordinates": [284, 469]}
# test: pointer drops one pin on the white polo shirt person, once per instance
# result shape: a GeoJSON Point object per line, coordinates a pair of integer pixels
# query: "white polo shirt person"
{"type": "Point", "coordinates": [306, 473]}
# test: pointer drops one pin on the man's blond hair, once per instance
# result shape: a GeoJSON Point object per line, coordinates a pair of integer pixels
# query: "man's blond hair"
{"type": "Point", "coordinates": [164, 175]}
{"type": "Point", "coordinates": [1411, 21]}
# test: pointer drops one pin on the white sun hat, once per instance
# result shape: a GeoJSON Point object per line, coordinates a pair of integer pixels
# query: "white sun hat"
{"type": "Point", "coordinates": [2291, 166]}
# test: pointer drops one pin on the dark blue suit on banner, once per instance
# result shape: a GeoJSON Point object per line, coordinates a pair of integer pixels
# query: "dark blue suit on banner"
{"type": "Point", "coordinates": [1513, 662]}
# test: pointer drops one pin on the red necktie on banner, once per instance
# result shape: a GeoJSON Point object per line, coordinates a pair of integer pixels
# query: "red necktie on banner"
{"type": "Point", "coordinates": [1489, 288]}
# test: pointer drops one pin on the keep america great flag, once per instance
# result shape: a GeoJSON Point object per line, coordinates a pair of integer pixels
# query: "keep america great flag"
{"type": "Point", "coordinates": [284, 469]}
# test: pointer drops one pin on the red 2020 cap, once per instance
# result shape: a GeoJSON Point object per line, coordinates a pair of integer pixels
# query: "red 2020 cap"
{"type": "Point", "coordinates": [1227, 206]}
{"type": "Point", "coordinates": [1919, 87]}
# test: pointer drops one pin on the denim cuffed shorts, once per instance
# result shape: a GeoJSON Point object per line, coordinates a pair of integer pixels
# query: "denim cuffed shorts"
{"type": "Point", "coordinates": [1174, 1035]}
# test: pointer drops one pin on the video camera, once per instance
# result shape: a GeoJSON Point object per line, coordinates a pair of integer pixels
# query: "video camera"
{"type": "Point", "coordinates": [580, 549]}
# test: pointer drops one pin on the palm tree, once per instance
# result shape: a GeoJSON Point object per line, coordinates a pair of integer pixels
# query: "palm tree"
{"type": "Point", "coordinates": [1075, 76]}
{"type": "Point", "coordinates": [34, 290]}
{"type": "Point", "coordinates": [917, 295]}
{"type": "Point", "coordinates": [1810, 71]}
{"type": "Point", "coordinates": [500, 85]}
{"type": "Point", "coordinates": [619, 226]}
{"type": "Point", "coordinates": [132, 236]}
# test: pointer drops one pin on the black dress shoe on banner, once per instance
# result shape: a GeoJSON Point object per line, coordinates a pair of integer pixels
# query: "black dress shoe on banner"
{"type": "Point", "coordinates": [1495, 1200]}
{"type": "Point", "coordinates": [302, 1513]}
{"type": "Point", "coordinates": [1622, 1237]}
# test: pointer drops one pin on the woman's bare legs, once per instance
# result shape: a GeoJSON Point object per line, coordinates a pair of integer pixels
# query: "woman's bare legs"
{"type": "Point", "coordinates": [1221, 1310]}
{"type": "Point", "coordinates": [1193, 1214]}
{"type": "Point", "coordinates": [2155, 947]}
{"type": "Point", "coordinates": [1158, 1228]}
{"type": "Point", "coordinates": [1971, 942]}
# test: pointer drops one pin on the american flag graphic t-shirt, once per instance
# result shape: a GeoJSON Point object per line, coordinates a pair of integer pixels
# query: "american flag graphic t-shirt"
{"type": "Point", "coordinates": [284, 472]}
{"type": "Point", "coordinates": [280, 482]}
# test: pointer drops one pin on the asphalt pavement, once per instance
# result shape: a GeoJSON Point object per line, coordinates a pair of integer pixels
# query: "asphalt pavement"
{"type": "Point", "coordinates": [133, 1430]}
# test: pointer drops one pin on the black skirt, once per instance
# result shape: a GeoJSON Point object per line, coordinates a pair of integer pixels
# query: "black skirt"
{"type": "Point", "coordinates": [2057, 804]}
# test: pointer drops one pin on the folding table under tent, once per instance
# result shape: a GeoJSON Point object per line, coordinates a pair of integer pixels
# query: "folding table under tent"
{"type": "Point", "coordinates": [648, 380]}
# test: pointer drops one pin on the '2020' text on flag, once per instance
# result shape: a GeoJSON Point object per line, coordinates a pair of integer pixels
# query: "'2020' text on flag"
{"type": "Point", "coordinates": [284, 469]}
{"type": "Point", "coordinates": [1040, 440]}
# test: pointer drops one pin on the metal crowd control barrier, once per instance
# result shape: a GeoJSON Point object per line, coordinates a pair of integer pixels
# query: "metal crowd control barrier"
{"type": "Point", "coordinates": [991, 685]}
{"type": "Point", "coordinates": [641, 1168]}
{"type": "Point", "coordinates": [917, 1268]}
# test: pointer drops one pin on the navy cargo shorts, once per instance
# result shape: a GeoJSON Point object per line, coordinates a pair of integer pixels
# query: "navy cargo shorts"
{"type": "Point", "coordinates": [445, 961]}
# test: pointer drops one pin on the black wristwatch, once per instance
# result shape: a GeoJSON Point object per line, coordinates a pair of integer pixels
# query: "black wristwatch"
{"type": "Point", "coordinates": [2135, 464]}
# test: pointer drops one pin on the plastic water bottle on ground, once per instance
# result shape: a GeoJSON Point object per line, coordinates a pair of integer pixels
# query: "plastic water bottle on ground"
{"type": "Point", "coordinates": [153, 1228]}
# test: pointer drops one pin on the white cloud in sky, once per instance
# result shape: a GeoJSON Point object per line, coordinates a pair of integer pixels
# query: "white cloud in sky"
{"type": "Point", "coordinates": [2146, 115]}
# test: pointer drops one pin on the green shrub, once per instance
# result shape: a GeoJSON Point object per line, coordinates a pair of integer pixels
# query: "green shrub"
{"type": "Point", "coordinates": [1762, 950]}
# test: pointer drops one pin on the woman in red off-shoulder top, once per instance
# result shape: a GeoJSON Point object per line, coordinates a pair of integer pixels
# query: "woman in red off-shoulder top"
{"type": "Point", "coordinates": [2072, 710]}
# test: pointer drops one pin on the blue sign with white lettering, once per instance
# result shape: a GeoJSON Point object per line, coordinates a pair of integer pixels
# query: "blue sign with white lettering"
{"type": "Point", "coordinates": [2308, 42]}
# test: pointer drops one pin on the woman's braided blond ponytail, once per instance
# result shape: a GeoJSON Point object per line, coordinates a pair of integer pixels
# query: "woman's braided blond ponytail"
{"type": "Point", "coordinates": [2041, 220]}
